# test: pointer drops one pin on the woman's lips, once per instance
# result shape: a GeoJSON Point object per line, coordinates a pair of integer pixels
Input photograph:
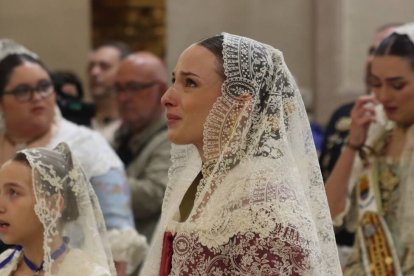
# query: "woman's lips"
{"type": "Point", "coordinates": [390, 109]}
{"type": "Point", "coordinates": [37, 109]}
{"type": "Point", "coordinates": [172, 119]}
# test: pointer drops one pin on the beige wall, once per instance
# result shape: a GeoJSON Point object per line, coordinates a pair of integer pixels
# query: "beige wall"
{"type": "Point", "coordinates": [285, 24]}
{"type": "Point", "coordinates": [57, 30]}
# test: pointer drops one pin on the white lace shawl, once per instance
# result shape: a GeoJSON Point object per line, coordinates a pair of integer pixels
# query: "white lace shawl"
{"type": "Point", "coordinates": [97, 158]}
{"type": "Point", "coordinates": [261, 172]}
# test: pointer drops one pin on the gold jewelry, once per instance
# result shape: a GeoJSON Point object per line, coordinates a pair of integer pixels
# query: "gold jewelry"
{"type": "Point", "coordinates": [353, 146]}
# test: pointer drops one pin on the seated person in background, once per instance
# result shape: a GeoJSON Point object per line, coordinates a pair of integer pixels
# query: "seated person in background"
{"type": "Point", "coordinates": [31, 119]}
{"type": "Point", "coordinates": [141, 142]}
{"type": "Point", "coordinates": [104, 61]}
{"type": "Point", "coordinates": [69, 98]}
{"type": "Point", "coordinates": [50, 212]}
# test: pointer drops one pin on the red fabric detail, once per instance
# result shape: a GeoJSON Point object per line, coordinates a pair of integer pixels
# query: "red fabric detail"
{"type": "Point", "coordinates": [167, 251]}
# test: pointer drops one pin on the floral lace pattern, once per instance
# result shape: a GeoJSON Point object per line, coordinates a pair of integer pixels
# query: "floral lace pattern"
{"type": "Point", "coordinates": [244, 254]}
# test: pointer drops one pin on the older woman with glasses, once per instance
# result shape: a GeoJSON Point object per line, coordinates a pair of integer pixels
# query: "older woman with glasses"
{"type": "Point", "coordinates": [30, 119]}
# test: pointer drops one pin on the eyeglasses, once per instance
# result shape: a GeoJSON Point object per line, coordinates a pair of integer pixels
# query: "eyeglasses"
{"type": "Point", "coordinates": [24, 92]}
{"type": "Point", "coordinates": [133, 87]}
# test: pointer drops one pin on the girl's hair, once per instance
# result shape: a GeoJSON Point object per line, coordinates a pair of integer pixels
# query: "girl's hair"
{"type": "Point", "coordinates": [399, 45]}
{"type": "Point", "coordinates": [10, 62]}
{"type": "Point", "coordinates": [70, 210]}
{"type": "Point", "coordinates": [215, 45]}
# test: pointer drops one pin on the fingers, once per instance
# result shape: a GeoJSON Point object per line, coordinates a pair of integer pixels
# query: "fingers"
{"type": "Point", "coordinates": [362, 114]}
{"type": "Point", "coordinates": [363, 111]}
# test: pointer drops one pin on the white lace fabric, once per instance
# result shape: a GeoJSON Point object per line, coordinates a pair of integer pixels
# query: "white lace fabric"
{"type": "Point", "coordinates": [56, 176]}
{"type": "Point", "coordinates": [261, 207]}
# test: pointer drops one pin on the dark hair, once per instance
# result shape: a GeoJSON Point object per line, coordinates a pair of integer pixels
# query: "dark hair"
{"type": "Point", "coordinates": [70, 210]}
{"type": "Point", "coordinates": [123, 48]}
{"type": "Point", "coordinates": [399, 45]}
{"type": "Point", "coordinates": [215, 45]}
{"type": "Point", "coordinates": [10, 62]}
{"type": "Point", "coordinates": [60, 78]}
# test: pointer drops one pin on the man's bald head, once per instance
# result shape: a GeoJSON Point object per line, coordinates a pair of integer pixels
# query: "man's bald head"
{"type": "Point", "coordinates": [140, 83]}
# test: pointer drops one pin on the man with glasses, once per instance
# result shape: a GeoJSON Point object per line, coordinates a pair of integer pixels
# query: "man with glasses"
{"type": "Point", "coordinates": [141, 141]}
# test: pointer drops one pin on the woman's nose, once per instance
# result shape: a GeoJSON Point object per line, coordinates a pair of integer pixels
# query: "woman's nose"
{"type": "Point", "coordinates": [383, 94]}
{"type": "Point", "coordinates": [168, 98]}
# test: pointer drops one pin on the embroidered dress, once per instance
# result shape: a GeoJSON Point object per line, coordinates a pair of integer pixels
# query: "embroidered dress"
{"type": "Point", "coordinates": [260, 206]}
{"type": "Point", "coordinates": [391, 182]}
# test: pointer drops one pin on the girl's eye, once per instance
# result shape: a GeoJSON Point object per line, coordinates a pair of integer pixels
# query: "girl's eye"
{"type": "Point", "coordinates": [190, 83]}
{"type": "Point", "coordinates": [13, 193]}
{"type": "Point", "coordinates": [173, 80]}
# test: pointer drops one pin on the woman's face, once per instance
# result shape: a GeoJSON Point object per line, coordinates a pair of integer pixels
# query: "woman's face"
{"type": "Point", "coordinates": [392, 81]}
{"type": "Point", "coordinates": [196, 86]}
{"type": "Point", "coordinates": [34, 115]}
{"type": "Point", "coordinates": [19, 223]}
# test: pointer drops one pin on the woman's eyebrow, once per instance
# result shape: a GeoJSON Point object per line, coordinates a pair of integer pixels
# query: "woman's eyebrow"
{"type": "Point", "coordinates": [394, 78]}
{"type": "Point", "coordinates": [189, 74]}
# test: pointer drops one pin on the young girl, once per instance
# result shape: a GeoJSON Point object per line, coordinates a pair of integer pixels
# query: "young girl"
{"type": "Point", "coordinates": [49, 210]}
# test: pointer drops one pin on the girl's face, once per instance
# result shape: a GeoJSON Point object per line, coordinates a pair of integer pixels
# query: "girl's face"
{"type": "Point", "coordinates": [19, 223]}
{"type": "Point", "coordinates": [392, 80]}
{"type": "Point", "coordinates": [196, 86]}
{"type": "Point", "coordinates": [32, 115]}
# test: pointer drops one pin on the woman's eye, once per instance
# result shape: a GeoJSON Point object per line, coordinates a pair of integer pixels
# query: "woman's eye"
{"type": "Point", "coordinates": [173, 80]}
{"type": "Point", "coordinates": [398, 86]}
{"type": "Point", "coordinates": [190, 83]}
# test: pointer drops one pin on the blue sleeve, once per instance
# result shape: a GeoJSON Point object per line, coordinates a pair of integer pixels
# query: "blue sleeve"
{"type": "Point", "coordinates": [114, 197]}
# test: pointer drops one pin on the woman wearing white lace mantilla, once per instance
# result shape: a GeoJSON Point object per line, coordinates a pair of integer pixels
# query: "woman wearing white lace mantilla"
{"type": "Point", "coordinates": [245, 195]}
{"type": "Point", "coordinates": [372, 193]}
{"type": "Point", "coordinates": [31, 119]}
{"type": "Point", "coordinates": [49, 210]}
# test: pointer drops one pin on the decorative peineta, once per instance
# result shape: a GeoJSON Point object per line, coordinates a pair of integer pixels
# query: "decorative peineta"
{"type": "Point", "coordinates": [9, 47]}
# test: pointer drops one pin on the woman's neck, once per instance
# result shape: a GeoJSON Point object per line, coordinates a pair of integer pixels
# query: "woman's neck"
{"type": "Point", "coordinates": [396, 143]}
{"type": "Point", "coordinates": [18, 137]}
{"type": "Point", "coordinates": [25, 137]}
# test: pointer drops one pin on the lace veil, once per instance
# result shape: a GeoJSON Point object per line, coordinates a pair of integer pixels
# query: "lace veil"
{"type": "Point", "coordinates": [78, 221]}
{"type": "Point", "coordinates": [261, 170]}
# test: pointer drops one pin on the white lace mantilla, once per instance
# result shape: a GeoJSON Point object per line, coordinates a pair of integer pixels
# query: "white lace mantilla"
{"type": "Point", "coordinates": [78, 223]}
